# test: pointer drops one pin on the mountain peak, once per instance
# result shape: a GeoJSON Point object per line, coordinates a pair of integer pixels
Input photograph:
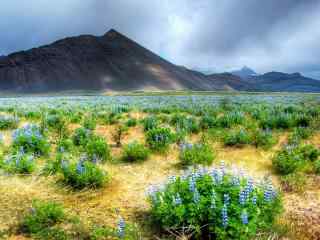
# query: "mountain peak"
{"type": "Point", "coordinates": [112, 33]}
{"type": "Point", "coordinates": [244, 72]}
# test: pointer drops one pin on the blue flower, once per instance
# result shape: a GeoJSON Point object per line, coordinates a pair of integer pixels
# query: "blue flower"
{"type": "Point", "coordinates": [121, 228]}
{"type": "Point", "coordinates": [244, 217]}
{"type": "Point", "coordinates": [224, 216]}
{"type": "Point", "coordinates": [196, 196]}
{"type": "Point", "coordinates": [226, 199]}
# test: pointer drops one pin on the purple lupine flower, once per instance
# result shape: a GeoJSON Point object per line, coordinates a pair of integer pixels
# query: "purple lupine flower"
{"type": "Point", "coordinates": [224, 216]}
{"type": "Point", "coordinates": [121, 228]}
{"type": "Point", "coordinates": [196, 196]}
{"type": "Point", "coordinates": [226, 199]}
{"type": "Point", "coordinates": [244, 217]}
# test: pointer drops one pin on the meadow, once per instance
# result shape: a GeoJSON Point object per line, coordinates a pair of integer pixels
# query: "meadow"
{"type": "Point", "coordinates": [160, 166]}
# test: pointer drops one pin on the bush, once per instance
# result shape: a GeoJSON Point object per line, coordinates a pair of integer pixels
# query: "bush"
{"type": "Point", "coordinates": [83, 174]}
{"type": "Point", "coordinates": [196, 154]}
{"type": "Point", "coordinates": [97, 149]}
{"type": "Point", "coordinates": [216, 204]}
{"type": "Point", "coordinates": [8, 122]}
{"type": "Point", "coordinates": [150, 122]}
{"type": "Point", "coordinates": [299, 134]}
{"type": "Point", "coordinates": [183, 123]}
{"type": "Point", "coordinates": [81, 136]}
{"type": "Point", "coordinates": [287, 160]}
{"type": "Point", "coordinates": [294, 157]}
{"type": "Point", "coordinates": [208, 121]}
{"type": "Point", "coordinates": [134, 152]}
{"type": "Point", "coordinates": [132, 122]}
{"type": "Point", "coordinates": [237, 138]}
{"type": "Point", "coordinates": [159, 139]}
{"type": "Point", "coordinates": [264, 139]}
{"type": "Point", "coordinates": [317, 167]}
{"type": "Point", "coordinates": [20, 163]}
{"type": "Point", "coordinates": [65, 145]}
{"type": "Point", "coordinates": [42, 216]}
{"type": "Point", "coordinates": [29, 139]}
{"type": "Point", "coordinates": [90, 123]}
{"type": "Point", "coordinates": [55, 121]}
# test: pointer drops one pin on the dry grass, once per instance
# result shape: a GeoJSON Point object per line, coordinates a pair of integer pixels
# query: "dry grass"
{"type": "Point", "coordinates": [126, 192]}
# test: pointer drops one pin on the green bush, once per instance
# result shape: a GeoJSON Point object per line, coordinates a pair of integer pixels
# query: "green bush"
{"type": "Point", "coordinates": [237, 138]}
{"type": "Point", "coordinates": [216, 204]}
{"type": "Point", "coordinates": [264, 139]}
{"type": "Point", "coordinates": [90, 123]}
{"type": "Point", "coordinates": [29, 139]}
{"type": "Point", "coordinates": [97, 149]}
{"type": "Point", "coordinates": [287, 160]}
{"type": "Point", "coordinates": [294, 157]}
{"type": "Point", "coordinates": [135, 152]}
{"type": "Point", "coordinates": [81, 136]}
{"type": "Point", "coordinates": [298, 134]}
{"type": "Point", "coordinates": [186, 124]}
{"type": "Point", "coordinates": [65, 145]}
{"type": "Point", "coordinates": [150, 122]}
{"type": "Point", "coordinates": [43, 215]}
{"type": "Point", "coordinates": [19, 163]}
{"type": "Point", "coordinates": [317, 167]}
{"type": "Point", "coordinates": [159, 139]}
{"type": "Point", "coordinates": [83, 174]}
{"type": "Point", "coordinates": [132, 122]}
{"type": "Point", "coordinates": [8, 122]}
{"type": "Point", "coordinates": [196, 154]}
{"type": "Point", "coordinates": [208, 121]}
{"type": "Point", "coordinates": [56, 121]}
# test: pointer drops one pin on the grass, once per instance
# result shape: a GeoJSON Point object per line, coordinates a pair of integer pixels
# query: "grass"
{"type": "Point", "coordinates": [125, 193]}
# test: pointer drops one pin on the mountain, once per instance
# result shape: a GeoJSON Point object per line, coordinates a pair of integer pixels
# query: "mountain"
{"type": "Point", "coordinates": [111, 61]}
{"type": "Point", "coordinates": [283, 82]}
{"type": "Point", "coordinates": [244, 72]}
{"type": "Point", "coordinates": [115, 62]}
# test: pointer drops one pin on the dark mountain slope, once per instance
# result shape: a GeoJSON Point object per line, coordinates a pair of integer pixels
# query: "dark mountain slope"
{"type": "Point", "coordinates": [111, 61]}
{"type": "Point", "coordinates": [279, 82]}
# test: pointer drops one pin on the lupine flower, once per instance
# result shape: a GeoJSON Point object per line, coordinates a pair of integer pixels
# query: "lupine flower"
{"type": "Point", "coordinates": [192, 183]}
{"type": "Point", "coordinates": [254, 200]}
{"type": "Point", "coordinates": [224, 216]}
{"type": "Point", "coordinates": [177, 200]}
{"type": "Point", "coordinates": [242, 197]}
{"type": "Point", "coordinates": [80, 168]}
{"type": "Point", "coordinates": [121, 228]}
{"type": "Point", "coordinates": [226, 199]}
{"type": "Point", "coordinates": [244, 217]}
{"type": "Point", "coordinates": [196, 196]}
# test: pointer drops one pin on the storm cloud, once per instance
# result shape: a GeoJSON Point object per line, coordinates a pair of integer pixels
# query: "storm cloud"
{"type": "Point", "coordinates": [204, 34]}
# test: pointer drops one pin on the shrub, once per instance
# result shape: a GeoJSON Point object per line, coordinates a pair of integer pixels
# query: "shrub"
{"type": "Point", "coordinates": [216, 204]}
{"type": "Point", "coordinates": [118, 134]}
{"type": "Point", "coordinates": [196, 154]}
{"type": "Point", "coordinates": [159, 139]}
{"type": "Point", "coordinates": [317, 167]}
{"type": "Point", "coordinates": [90, 123]}
{"type": "Point", "coordinates": [132, 122]}
{"type": "Point", "coordinates": [134, 152]}
{"type": "Point", "coordinates": [81, 136]}
{"type": "Point", "coordinates": [65, 145]}
{"type": "Point", "coordinates": [29, 139]}
{"type": "Point", "coordinates": [237, 138]}
{"type": "Point", "coordinates": [97, 149]}
{"type": "Point", "coordinates": [187, 124]}
{"type": "Point", "coordinates": [299, 134]}
{"type": "Point", "coordinates": [287, 160]}
{"type": "Point", "coordinates": [264, 139]}
{"type": "Point", "coordinates": [208, 121]}
{"type": "Point", "coordinates": [150, 122]}
{"type": "Point", "coordinates": [230, 119]}
{"type": "Point", "coordinates": [55, 121]}
{"type": "Point", "coordinates": [8, 122]}
{"type": "Point", "coordinates": [83, 174]}
{"type": "Point", "coordinates": [43, 215]}
{"type": "Point", "coordinates": [277, 121]}
{"type": "Point", "coordinates": [20, 163]}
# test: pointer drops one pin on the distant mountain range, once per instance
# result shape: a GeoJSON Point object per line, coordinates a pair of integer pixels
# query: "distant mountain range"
{"type": "Point", "coordinates": [115, 62]}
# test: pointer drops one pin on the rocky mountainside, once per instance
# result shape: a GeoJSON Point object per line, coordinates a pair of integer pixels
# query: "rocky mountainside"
{"type": "Point", "coordinates": [111, 61]}
{"type": "Point", "coordinates": [244, 72]}
{"type": "Point", "coordinates": [283, 82]}
{"type": "Point", "coordinates": [115, 62]}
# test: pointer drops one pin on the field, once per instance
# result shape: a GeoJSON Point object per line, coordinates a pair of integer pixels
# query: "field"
{"type": "Point", "coordinates": [141, 166]}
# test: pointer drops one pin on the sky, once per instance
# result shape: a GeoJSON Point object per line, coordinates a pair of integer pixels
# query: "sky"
{"type": "Point", "coordinates": [208, 35]}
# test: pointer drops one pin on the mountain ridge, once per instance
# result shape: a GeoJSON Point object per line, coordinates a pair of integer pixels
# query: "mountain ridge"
{"type": "Point", "coordinates": [111, 62]}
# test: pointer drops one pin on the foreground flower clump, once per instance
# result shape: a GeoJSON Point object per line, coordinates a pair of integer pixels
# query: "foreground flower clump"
{"type": "Point", "coordinates": [215, 204]}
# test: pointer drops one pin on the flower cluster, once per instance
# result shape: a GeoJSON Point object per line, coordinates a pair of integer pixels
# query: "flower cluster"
{"type": "Point", "coordinates": [213, 198]}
